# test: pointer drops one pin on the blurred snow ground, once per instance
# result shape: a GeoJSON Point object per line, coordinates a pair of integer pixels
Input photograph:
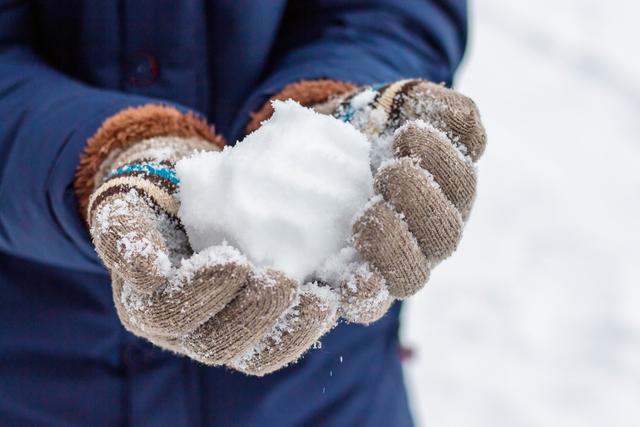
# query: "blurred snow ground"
{"type": "Point", "coordinates": [535, 321]}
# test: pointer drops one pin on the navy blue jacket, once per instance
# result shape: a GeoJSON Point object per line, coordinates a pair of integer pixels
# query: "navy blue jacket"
{"type": "Point", "coordinates": [65, 66]}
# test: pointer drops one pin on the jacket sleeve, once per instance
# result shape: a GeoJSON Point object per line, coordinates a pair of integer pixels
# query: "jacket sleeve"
{"type": "Point", "coordinates": [364, 42]}
{"type": "Point", "coordinates": [46, 119]}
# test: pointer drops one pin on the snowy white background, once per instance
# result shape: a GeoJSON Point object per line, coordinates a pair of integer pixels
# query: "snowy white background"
{"type": "Point", "coordinates": [535, 321]}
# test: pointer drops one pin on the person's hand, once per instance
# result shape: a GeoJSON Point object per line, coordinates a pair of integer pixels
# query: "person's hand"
{"type": "Point", "coordinates": [213, 306]}
{"type": "Point", "coordinates": [425, 142]}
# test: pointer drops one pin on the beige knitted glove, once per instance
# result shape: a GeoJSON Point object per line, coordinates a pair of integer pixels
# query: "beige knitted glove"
{"type": "Point", "coordinates": [425, 140]}
{"type": "Point", "coordinates": [213, 306]}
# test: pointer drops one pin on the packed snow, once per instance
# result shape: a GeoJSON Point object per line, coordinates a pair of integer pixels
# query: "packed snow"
{"type": "Point", "coordinates": [285, 195]}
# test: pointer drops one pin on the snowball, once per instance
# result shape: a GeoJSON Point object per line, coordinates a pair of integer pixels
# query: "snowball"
{"type": "Point", "coordinates": [285, 195]}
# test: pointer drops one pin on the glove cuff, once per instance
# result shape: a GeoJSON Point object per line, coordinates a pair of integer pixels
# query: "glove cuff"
{"type": "Point", "coordinates": [129, 127]}
{"type": "Point", "coordinates": [306, 92]}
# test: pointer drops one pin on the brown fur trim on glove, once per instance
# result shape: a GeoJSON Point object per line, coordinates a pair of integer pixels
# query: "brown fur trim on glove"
{"type": "Point", "coordinates": [128, 127]}
{"type": "Point", "coordinates": [306, 92]}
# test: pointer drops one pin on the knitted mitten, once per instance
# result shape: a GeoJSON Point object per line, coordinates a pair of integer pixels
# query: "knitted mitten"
{"type": "Point", "coordinates": [213, 306]}
{"type": "Point", "coordinates": [425, 142]}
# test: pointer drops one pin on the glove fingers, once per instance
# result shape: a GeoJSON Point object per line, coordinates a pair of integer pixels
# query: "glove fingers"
{"type": "Point", "coordinates": [446, 109]}
{"type": "Point", "coordinates": [383, 239]}
{"type": "Point", "coordinates": [201, 288]}
{"type": "Point", "coordinates": [126, 238]}
{"type": "Point", "coordinates": [435, 153]}
{"type": "Point", "coordinates": [296, 331]}
{"type": "Point", "coordinates": [364, 298]}
{"type": "Point", "coordinates": [244, 320]}
{"type": "Point", "coordinates": [168, 343]}
{"type": "Point", "coordinates": [431, 217]}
